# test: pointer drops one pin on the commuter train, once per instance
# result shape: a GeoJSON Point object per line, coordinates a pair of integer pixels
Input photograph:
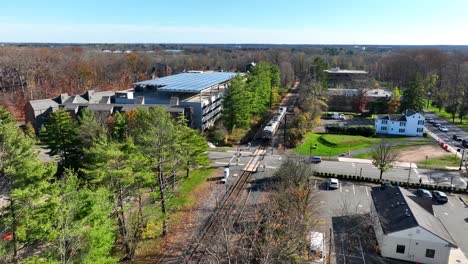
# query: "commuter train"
{"type": "Point", "coordinates": [273, 125]}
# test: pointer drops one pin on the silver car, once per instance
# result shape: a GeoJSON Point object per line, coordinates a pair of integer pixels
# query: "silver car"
{"type": "Point", "coordinates": [333, 183]}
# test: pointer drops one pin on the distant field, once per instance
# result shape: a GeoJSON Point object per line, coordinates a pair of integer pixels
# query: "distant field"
{"type": "Point", "coordinates": [333, 144]}
{"type": "Point", "coordinates": [447, 116]}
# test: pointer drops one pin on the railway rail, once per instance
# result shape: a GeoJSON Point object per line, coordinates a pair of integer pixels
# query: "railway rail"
{"type": "Point", "coordinates": [227, 206]}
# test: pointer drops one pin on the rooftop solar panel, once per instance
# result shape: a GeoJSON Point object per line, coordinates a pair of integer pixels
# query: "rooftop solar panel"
{"type": "Point", "coordinates": [188, 82]}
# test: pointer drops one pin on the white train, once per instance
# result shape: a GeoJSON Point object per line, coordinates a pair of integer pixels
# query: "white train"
{"type": "Point", "coordinates": [273, 125]}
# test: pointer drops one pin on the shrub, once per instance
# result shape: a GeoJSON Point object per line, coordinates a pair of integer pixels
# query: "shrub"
{"type": "Point", "coordinates": [365, 131]}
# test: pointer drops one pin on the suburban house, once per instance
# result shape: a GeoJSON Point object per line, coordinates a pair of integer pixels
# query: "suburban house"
{"type": "Point", "coordinates": [407, 124]}
{"type": "Point", "coordinates": [196, 94]}
{"type": "Point", "coordinates": [405, 230]}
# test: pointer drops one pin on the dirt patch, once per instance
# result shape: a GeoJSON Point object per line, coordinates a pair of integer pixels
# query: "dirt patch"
{"type": "Point", "coordinates": [171, 248]}
{"type": "Point", "coordinates": [419, 153]}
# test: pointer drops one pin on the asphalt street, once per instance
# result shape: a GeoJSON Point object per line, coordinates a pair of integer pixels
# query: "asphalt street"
{"type": "Point", "coordinates": [446, 136]}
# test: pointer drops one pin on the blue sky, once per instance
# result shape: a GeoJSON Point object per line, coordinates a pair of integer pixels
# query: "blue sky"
{"type": "Point", "coordinates": [255, 21]}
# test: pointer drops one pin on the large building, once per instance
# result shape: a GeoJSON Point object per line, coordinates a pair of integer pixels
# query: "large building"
{"type": "Point", "coordinates": [338, 78]}
{"type": "Point", "coordinates": [406, 228]}
{"type": "Point", "coordinates": [342, 99]}
{"type": "Point", "coordinates": [407, 124]}
{"type": "Point", "coordinates": [196, 95]}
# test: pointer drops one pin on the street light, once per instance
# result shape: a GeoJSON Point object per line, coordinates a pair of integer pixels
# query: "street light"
{"type": "Point", "coordinates": [462, 158]}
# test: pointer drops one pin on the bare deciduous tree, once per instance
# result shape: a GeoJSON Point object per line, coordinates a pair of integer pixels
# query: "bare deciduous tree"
{"type": "Point", "coordinates": [384, 157]}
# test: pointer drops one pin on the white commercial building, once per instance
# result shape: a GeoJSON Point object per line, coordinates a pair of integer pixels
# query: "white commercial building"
{"type": "Point", "coordinates": [406, 229]}
{"type": "Point", "coordinates": [407, 124]}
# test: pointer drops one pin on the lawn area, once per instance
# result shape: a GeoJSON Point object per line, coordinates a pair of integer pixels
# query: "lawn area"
{"type": "Point", "coordinates": [443, 114]}
{"type": "Point", "coordinates": [448, 160]}
{"type": "Point", "coordinates": [334, 144]}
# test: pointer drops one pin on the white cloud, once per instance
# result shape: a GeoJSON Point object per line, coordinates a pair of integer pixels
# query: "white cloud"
{"type": "Point", "coordinates": [84, 33]}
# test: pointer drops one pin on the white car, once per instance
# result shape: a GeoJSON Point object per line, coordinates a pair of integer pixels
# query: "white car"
{"type": "Point", "coordinates": [333, 183]}
{"type": "Point", "coordinates": [443, 128]}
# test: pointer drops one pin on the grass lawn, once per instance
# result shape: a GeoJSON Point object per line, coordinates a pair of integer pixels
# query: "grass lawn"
{"type": "Point", "coordinates": [448, 160]}
{"type": "Point", "coordinates": [447, 116]}
{"type": "Point", "coordinates": [334, 144]}
{"type": "Point", "coordinates": [403, 146]}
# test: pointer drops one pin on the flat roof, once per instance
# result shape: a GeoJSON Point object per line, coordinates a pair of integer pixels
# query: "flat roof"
{"type": "Point", "coordinates": [338, 70]}
{"type": "Point", "coordinates": [188, 82]}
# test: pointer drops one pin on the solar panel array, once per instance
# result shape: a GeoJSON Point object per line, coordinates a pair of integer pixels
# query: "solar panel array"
{"type": "Point", "coordinates": [188, 82]}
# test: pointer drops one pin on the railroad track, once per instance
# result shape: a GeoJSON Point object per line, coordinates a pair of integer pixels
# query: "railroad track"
{"type": "Point", "coordinates": [227, 206]}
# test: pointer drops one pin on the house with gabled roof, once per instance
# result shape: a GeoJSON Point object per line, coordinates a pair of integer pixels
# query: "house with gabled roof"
{"type": "Point", "coordinates": [407, 124]}
{"type": "Point", "coordinates": [405, 230]}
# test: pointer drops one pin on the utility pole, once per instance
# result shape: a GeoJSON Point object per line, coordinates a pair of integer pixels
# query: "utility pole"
{"type": "Point", "coordinates": [409, 175]}
{"type": "Point", "coordinates": [462, 159]}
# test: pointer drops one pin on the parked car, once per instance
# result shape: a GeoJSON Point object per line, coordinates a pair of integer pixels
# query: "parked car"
{"type": "Point", "coordinates": [456, 138]}
{"type": "Point", "coordinates": [443, 128]}
{"type": "Point", "coordinates": [333, 183]}
{"type": "Point", "coordinates": [316, 159]}
{"type": "Point", "coordinates": [439, 197]}
{"type": "Point", "coordinates": [436, 124]}
{"type": "Point", "coordinates": [430, 120]}
{"type": "Point", "coordinates": [423, 193]}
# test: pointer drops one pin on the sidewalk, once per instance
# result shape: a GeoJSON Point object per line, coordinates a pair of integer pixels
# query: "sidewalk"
{"type": "Point", "coordinates": [368, 161]}
{"type": "Point", "coordinates": [457, 256]}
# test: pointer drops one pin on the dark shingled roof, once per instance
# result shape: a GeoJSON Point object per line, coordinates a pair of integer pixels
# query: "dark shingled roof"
{"type": "Point", "coordinates": [397, 212]}
{"type": "Point", "coordinates": [393, 117]}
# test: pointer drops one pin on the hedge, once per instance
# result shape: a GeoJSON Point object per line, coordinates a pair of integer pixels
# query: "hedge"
{"type": "Point", "coordinates": [365, 131]}
{"type": "Point", "coordinates": [412, 185]}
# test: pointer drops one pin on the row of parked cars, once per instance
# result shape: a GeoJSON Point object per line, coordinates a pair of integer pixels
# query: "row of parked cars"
{"type": "Point", "coordinates": [437, 196]}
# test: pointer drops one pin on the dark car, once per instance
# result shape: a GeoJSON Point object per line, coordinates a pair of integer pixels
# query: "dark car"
{"type": "Point", "coordinates": [423, 193]}
{"type": "Point", "coordinates": [465, 143]}
{"type": "Point", "coordinates": [430, 120]}
{"type": "Point", "coordinates": [316, 159]}
{"type": "Point", "coordinates": [456, 138]}
{"type": "Point", "coordinates": [439, 197]}
{"type": "Point", "coordinates": [436, 124]}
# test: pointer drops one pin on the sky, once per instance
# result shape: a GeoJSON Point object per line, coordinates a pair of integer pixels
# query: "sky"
{"type": "Point", "coordinates": [360, 22]}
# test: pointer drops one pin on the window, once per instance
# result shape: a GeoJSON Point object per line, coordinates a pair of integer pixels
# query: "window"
{"type": "Point", "coordinates": [420, 129]}
{"type": "Point", "coordinates": [401, 249]}
{"type": "Point", "coordinates": [383, 128]}
{"type": "Point", "coordinates": [421, 122]}
{"type": "Point", "coordinates": [384, 122]}
{"type": "Point", "coordinates": [430, 253]}
{"type": "Point", "coordinates": [402, 123]}
{"type": "Point", "coordinates": [401, 130]}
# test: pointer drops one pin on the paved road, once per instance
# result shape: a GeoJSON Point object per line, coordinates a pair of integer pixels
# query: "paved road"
{"type": "Point", "coordinates": [446, 136]}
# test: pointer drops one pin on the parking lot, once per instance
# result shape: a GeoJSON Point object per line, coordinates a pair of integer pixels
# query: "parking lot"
{"type": "Point", "coordinates": [351, 199]}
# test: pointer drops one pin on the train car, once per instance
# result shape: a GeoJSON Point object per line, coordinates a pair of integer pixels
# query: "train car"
{"type": "Point", "coordinates": [273, 125]}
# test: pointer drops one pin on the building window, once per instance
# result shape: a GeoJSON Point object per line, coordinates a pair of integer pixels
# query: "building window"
{"type": "Point", "coordinates": [401, 249]}
{"type": "Point", "coordinates": [401, 130]}
{"type": "Point", "coordinates": [402, 123]}
{"type": "Point", "coordinates": [421, 122]}
{"type": "Point", "coordinates": [384, 122]}
{"type": "Point", "coordinates": [420, 129]}
{"type": "Point", "coordinates": [383, 128]}
{"type": "Point", "coordinates": [430, 253]}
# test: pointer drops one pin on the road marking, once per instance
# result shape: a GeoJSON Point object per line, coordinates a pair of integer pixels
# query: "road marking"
{"type": "Point", "coordinates": [340, 187]}
{"type": "Point", "coordinates": [451, 203]}
{"type": "Point", "coordinates": [445, 213]}
{"type": "Point", "coordinates": [346, 190]}
{"type": "Point", "coordinates": [360, 205]}
{"type": "Point", "coordinates": [315, 184]}
{"type": "Point", "coordinates": [354, 191]}
{"type": "Point", "coordinates": [367, 192]}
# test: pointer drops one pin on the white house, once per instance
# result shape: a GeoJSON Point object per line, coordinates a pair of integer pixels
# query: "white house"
{"type": "Point", "coordinates": [407, 124]}
{"type": "Point", "coordinates": [407, 231]}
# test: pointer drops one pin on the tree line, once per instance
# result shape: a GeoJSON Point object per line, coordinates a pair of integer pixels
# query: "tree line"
{"type": "Point", "coordinates": [111, 186]}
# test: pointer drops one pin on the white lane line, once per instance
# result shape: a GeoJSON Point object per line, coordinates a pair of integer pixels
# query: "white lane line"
{"type": "Point", "coordinates": [340, 187]}
{"type": "Point", "coordinates": [367, 192]}
{"type": "Point", "coordinates": [315, 184]}
{"type": "Point", "coordinates": [451, 203]}
{"type": "Point", "coordinates": [354, 191]}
